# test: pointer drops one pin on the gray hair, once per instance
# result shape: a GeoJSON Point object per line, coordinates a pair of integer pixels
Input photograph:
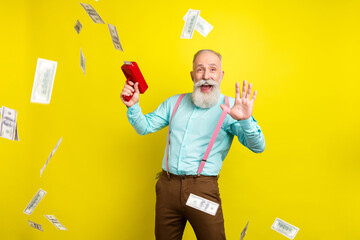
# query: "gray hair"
{"type": "Point", "coordinates": [206, 50]}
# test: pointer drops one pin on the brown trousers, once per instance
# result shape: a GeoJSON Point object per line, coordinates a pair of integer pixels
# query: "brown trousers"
{"type": "Point", "coordinates": [172, 213]}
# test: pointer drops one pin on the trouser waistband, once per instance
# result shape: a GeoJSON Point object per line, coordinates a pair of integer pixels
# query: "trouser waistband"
{"type": "Point", "coordinates": [170, 175]}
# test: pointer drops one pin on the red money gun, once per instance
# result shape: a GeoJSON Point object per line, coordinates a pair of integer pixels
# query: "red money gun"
{"type": "Point", "coordinates": [133, 74]}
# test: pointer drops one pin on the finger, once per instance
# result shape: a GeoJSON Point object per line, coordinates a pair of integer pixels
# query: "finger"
{"type": "Point", "coordinates": [248, 94]}
{"type": "Point", "coordinates": [244, 89]}
{"type": "Point", "coordinates": [254, 96]}
{"type": "Point", "coordinates": [128, 87]}
{"type": "Point", "coordinates": [126, 92]}
{"type": "Point", "coordinates": [130, 83]}
{"type": "Point", "coordinates": [223, 107]}
{"type": "Point", "coordinates": [137, 88]}
{"type": "Point", "coordinates": [237, 90]}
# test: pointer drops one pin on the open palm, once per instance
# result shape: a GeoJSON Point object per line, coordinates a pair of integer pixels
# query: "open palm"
{"type": "Point", "coordinates": [243, 106]}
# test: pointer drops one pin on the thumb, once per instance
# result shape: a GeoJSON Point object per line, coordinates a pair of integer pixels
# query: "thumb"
{"type": "Point", "coordinates": [226, 108]}
{"type": "Point", "coordinates": [137, 88]}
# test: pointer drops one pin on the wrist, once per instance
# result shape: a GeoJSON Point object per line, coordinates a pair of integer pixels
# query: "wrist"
{"type": "Point", "coordinates": [246, 123]}
{"type": "Point", "coordinates": [132, 105]}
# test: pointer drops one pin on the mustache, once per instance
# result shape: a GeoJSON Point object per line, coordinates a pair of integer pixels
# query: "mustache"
{"type": "Point", "coordinates": [205, 82]}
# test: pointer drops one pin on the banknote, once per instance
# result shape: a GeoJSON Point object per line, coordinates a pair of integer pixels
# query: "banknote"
{"type": "Point", "coordinates": [35, 225]}
{"type": "Point", "coordinates": [82, 61]}
{"type": "Point", "coordinates": [44, 81]}
{"type": "Point", "coordinates": [158, 175]}
{"type": "Point", "coordinates": [34, 202]}
{"type": "Point", "coordinates": [115, 37]}
{"type": "Point", "coordinates": [92, 13]}
{"type": "Point", "coordinates": [51, 154]}
{"type": "Point", "coordinates": [55, 222]}
{"type": "Point", "coordinates": [202, 204]}
{"type": "Point", "coordinates": [202, 26]}
{"type": "Point", "coordinates": [78, 26]}
{"type": "Point", "coordinates": [243, 233]}
{"type": "Point", "coordinates": [16, 134]}
{"type": "Point", "coordinates": [190, 23]}
{"type": "Point", "coordinates": [285, 228]}
{"type": "Point", "coordinates": [8, 123]}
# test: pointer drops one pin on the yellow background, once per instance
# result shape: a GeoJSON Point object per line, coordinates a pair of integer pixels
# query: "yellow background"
{"type": "Point", "coordinates": [302, 56]}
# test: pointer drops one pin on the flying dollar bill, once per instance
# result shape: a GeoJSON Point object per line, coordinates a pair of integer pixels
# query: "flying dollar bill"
{"type": "Point", "coordinates": [202, 26]}
{"type": "Point", "coordinates": [190, 23]}
{"type": "Point", "coordinates": [51, 154]}
{"type": "Point", "coordinates": [8, 124]}
{"type": "Point", "coordinates": [202, 204]}
{"type": "Point", "coordinates": [44, 81]}
{"type": "Point", "coordinates": [34, 202]}
{"type": "Point", "coordinates": [285, 228]}
{"type": "Point", "coordinates": [82, 61]}
{"type": "Point", "coordinates": [78, 26]}
{"type": "Point", "coordinates": [35, 225]}
{"type": "Point", "coordinates": [55, 222]}
{"type": "Point", "coordinates": [16, 134]}
{"type": "Point", "coordinates": [92, 13]}
{"type": "Point", "coordinates": [243, 233]}
{"type": "Point", "coordinates": [115, 37]}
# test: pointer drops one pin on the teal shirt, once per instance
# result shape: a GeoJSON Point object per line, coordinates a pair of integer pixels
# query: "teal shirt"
{"type": "Point", "coordinates": [191, 131]}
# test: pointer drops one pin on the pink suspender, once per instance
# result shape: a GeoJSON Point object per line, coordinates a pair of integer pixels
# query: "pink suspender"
{"type": "Point", "coordinates": [168, 136]}
{"type": "Point", "coordinates": [212, 140]}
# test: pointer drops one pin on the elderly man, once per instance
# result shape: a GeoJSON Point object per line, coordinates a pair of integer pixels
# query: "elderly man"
{"type": "Point", "coordinates": [202, 125]}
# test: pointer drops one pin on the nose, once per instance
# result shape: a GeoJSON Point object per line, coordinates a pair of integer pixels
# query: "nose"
{"type": "Point", "coordinates": [206, 75]}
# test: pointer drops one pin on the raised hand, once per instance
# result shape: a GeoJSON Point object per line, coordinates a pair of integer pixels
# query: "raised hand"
{"type": "Point", "coordinates": [243, 106]}
{"type": "Point", "coordinates": [128, 90]}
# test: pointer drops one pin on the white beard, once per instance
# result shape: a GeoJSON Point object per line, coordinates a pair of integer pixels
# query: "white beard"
{"type": "Point", "coordinates": [206, 100]}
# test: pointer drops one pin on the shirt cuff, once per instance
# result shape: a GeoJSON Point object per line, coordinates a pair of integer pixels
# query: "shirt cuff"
{"type": "Point", "coordinates": [247, 123]}
{"type": "Point", "coordinates": [134, 109]}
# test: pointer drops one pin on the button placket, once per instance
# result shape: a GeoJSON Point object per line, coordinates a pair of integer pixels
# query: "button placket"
{"type": "Point", "coordinates": [183, 144]}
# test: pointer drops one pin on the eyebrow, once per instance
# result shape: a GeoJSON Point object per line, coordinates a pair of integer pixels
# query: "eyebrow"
{"type": "Point", "coordinates": [202, 65]}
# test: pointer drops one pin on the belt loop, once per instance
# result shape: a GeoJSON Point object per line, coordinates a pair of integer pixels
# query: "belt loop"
{"type": "Point", "coordinates": [168, 174]}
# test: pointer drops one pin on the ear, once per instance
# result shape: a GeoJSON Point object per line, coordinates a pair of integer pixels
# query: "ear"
{"type": "Point", "coordinates": [222, 75]}
{"type": "Point", "coordinates": [191, 75]}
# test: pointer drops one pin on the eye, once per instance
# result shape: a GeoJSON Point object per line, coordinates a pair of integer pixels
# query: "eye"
{"type": "Point", "coordinates": [199, 70]}
{"type": "Point", "coordinates": [213, 69]}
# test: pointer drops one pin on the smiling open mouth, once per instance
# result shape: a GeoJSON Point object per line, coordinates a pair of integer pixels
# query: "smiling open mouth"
{"type": "Point", "coordinates": [206, 88]}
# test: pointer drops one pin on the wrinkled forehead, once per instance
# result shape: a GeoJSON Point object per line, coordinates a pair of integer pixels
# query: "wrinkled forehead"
{"type": "Point", "coordinates": [207, 59]}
